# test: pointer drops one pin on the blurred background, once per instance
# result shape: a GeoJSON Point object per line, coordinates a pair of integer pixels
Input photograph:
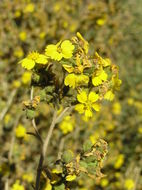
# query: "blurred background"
{"type": "Point", "coordinates": [113, 28]}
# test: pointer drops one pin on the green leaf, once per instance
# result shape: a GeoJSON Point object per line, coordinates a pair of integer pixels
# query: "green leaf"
{"type": "Point", "coordinates": [83, 164]}
{"type": "Point", "coordinates": [67, 156]}
{"type": "Point", "coordinates": [42, 95]}
{"type": "Point", "coordinates": [92, 167]}
{"type": "Point", "coordinates": [35, 78]}
{"type": "Point", "coordinates": [50, 89]}
{"type": "Point", "coordinates": [90, 159]}
{"type": "Point", "coordinates": [59, 187]}
{"type": "Point", "coordinates": [30, 113]}
{"type": "Point", "coordinates": [87, 146]}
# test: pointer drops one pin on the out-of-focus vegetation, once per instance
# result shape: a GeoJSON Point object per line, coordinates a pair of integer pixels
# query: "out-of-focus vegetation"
{"type": "Point", "coordinates": [114, 29]}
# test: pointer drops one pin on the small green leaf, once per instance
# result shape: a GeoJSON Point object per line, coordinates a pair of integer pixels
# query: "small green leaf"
{"type": "Point", "coordinates": [87, 146]}
{"type": "Point", "coordinates": [42, 95]}
{"type": "Point", "coordinates": [59, 187]}
{"type": "Point", "coordinates": [49, 89]}
{"type": "Point", "coordinates": [83, 164]}
{"type": "Point", "coordinates": [30, 113]}
{"type": "Point", "coordinates": [67, 156]}
{"type": "Point", "coordinates": [35, 78]}
{"type": "Point", "coordinates": [90, 159]}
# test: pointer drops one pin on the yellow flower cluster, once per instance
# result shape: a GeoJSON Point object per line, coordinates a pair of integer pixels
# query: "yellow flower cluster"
{"type": "Point", "coordinates": [60, 50]}
{"type": "Point", "coordinates": [129, 184]}
{"type": "Point", "coordinates": [33, 58]}
{"type": "Point", "coordinates": [56, 52]}
{"type": "Point", "coordinates": [17, 186]}
{"type": "Point", "coordinates": [67, 125]}
{"type": "Point", "coordinates": [20, 131]}
{"type": "Point", "coordinates": [86, 74]}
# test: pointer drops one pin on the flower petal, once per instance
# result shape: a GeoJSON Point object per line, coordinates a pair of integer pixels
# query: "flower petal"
{"type": "Point", "coordinates": [42, 59]}
{"type": "Point", "coordinates": [96, 107]}
{"type": "Point", "coordinates": [82, 79]}
{"type": "Point", "coordinates": [70, 80]}
{"type": "Point", "coordinates": [93, 97]}
{"type": "Point", "coordinates": [88, 113]}
{"type": "Point", "coordinates": [109, 95]}
{"type": "Point", "coordinates": [82, 97]}
{"type": "Point", "coordinates": [27, 63]}
{"type": "Point", "coordinates": [96, 81]}
{"type": "Point", "coordinates": [79, 108]}
{"type": "Point", "coordinates": [103, 75]}
{"type": "Point", "coordinates": [67, 49]}
{"type": "Point", "coordinates": [51, 51]}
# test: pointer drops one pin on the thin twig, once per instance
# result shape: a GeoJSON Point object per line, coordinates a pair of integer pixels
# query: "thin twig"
{"type": "Point", "coordinates": [46, 142]}
{"type": "Point", "coordinates": [13, 138]}
{"type": "Point", "coordinates": [6, 186]}
{"type": "Point", "coordinates": [9, 103]}
{"type": "Point", "coordinates": [36, 130]}
{"type": "Point", "coordinates": [61, 146]}
{"type": "Point", "coordinates": [62, 114]}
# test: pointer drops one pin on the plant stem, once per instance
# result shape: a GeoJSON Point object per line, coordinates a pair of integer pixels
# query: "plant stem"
{"type": "Point", "coordinates": [9, 103]}
{"type": "Point", "coordinates": [46, 143]}
{"type": "Point", "coordinates": [48, 137]}
{"type": "Point", "coordinates": [39, 170]}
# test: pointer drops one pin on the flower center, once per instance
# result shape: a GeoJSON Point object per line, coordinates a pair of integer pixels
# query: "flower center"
{"type": "Point", "coordinates": [59, 49]}
{"type": "Point", "coordinates": [33, 55]}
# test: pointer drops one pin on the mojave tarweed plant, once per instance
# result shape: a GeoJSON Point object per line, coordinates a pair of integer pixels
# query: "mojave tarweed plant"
{"type": "Point", "coordinates": [66, 76]}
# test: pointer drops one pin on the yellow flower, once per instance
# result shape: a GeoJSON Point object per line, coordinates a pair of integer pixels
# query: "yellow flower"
{"type": "Point", "coordinates": [57, 6]}
{"type": "Point", "coordinates": [66, 125]}
{"type": "Point", "coordinates": [94, 137]}
{"type": "Point", "coordinates": [23, 36]}
{"type": "Point", "coordinates": [99, 78]}
{"type": "Point", "coordinates": [70, 177]}
{"type": "Point", "coordinates": [101, 21]}
{"type": "Point", "coordinates": [70, 80]}
{"type": "Point", "coordinates": [16, 84]}
{"type": "Point", "coordinates": [7, 118]}
{"type": "Point", "coordinates": [57, 171]}
{"type": "Point", "coordinates": [17, 186]}
{"type": "Point", "coordinates": [26, 77]}
{"type": "Point", "coordinates": [130, 101]}
{"type": "Point", "coordinates": [129, 184]}
{"type": "Point", "coordinates": [87, 103]}
{"type": "Point", "coordinates": [140, 130]}
{"type": "Point", "coordinates": [33, 58]}
{"type": "Point", "coordinates": [60, 50]}
{"type": "Point", "coordinates": [119, 162]}
{"type": "Point", "coordinates": [29, 8]}
{"type": "Point", "coordinates": [20, 131]}
{"type": "Point", "coordinates": [116, 108]}
{"type": "Point", "coordinates": [17, 14]}
{"type": "Point", "coordinates": [109, 95]}
{"type": "Point", "coordinates": [73, 80]}
{"type": "Point", "coordinates": [18, 53]}
{"type": "Point", "coordinates": [48, 185]}
{"type": "Point", "coordinates": [42, 35]}
{"type": "Point", "coordinates": [28, 177]}
{"type": "Point", "coordinates": [104, 182]}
